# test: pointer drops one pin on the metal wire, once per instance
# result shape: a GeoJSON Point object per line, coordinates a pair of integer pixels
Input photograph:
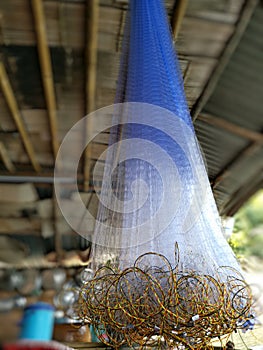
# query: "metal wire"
{"type": "Point", "coordinates": [143, 305]}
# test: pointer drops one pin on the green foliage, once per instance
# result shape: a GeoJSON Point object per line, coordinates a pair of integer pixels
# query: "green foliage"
{"type": "Point", "coordinates": [247, 238]}
{"type": "Point", "coordinates": [238, 242]}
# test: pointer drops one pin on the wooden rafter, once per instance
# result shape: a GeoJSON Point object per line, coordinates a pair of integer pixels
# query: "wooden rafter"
{"type": "Point", "coordinates": [177, 16]}
{"type": "Point", "coordinates": [12, 104]}
{"type": "Point", "coordinates": [243, 194]}
{"type": "Point", "coordinates": [248, 10]}
{"type": "Point", "coordinates": [46, 70]}
{"type": "Point", "coordinates": [92, 20]}
{"type": "Point", "coordinates": [47, 178]}
{"type": "Point", "coordinates": [6, 159]}
{"type": "Point", "coordinates": [248, 151]}
{"type": "Point", "coordinates": [121, 30]}
{"type": "Point", "coordinates": [231, 127]}
{"type": "Point", "coordinates": [253, 147]}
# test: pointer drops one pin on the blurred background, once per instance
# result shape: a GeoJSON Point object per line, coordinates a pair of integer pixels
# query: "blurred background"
{"type": "Point", "coordinates": [59, 61]}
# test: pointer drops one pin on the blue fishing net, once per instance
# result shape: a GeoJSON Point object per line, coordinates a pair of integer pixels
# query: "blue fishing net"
{"type": "Point", "coordinates": [164, 272]}
{"type": "Point", "coordinates": [154, 164]}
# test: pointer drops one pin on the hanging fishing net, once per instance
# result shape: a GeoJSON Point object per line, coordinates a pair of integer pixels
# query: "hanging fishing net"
{"type": "Point", "coordinates": [164, 273]}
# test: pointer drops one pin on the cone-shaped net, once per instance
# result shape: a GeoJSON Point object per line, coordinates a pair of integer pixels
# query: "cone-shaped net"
{"type": "Point", "coordinates": [164, 272]}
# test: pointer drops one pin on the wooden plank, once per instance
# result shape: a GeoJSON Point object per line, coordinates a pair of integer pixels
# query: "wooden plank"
{"type": "Point", "coordinates": [16, 209]}
{"type": "Point", "coordinates": [18, 193]}
{"type": "Point", "coordinates": [200, 47]}
{"type": "Point", "coordinates": [20, 226]}
{"type": "Point", "coordinates": [65, 23]}
{"type": "Point", "coordinates": [47, 227]}
{"type": "Point", "coordinates": [220, 17]}
{"type": "Point", "coordinates": [72, 259]}
{"type": "Point", "coordinates": [198, 28]}
{"type": "Point", "coordinates": [98, 151]}
{"type": "Point", "coordinates": [36, 121]}
{"type": "Point", "coordinates": [215, 6]}
{"type": "Point", "coordinates": [16, 151]}
{"type": "Point", "coordinates": [107, 42]}
{"type": "Point", "coordinates": [42, 178]}
{"type": "Point", "coordinates": [102, 138]}
{"type": "Point", "coordinates": [110, 19]}
{"type": "Point", "coordinates": [46, 70]}
{"type": "Point", "coordinates": [12, 104]}
{"type": "Point", "coordinates": [16, 26]}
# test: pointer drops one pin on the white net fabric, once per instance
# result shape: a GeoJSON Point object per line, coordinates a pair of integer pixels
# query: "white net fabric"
{"type": "Point", "coordinates": [155, 193]}
{"type": "Point", "coordinates": [163, 268]}
{"type": "Point", "coordinates": [163, 271]}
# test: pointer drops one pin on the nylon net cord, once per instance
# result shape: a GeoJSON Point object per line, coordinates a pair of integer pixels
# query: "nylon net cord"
{"type": "Point", "coordinates": [164, 274]}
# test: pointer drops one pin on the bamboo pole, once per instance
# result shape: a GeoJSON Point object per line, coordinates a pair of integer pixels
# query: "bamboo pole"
{"type": "Point", "coordinates": [46, 70]}
{"type": "Point", "coordinates": [12, 104]}
{"type": "Point", "coordinates": [177, 16]}
{"type": "Point", "coordinates": [91, 68]}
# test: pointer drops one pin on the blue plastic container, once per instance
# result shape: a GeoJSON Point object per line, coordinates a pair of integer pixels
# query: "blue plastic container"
{"type": "Point", "coordinates": [38, 322]}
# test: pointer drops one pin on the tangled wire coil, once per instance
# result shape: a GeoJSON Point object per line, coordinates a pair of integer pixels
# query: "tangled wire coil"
{"type": "Point", "coordinates": [160, 305]}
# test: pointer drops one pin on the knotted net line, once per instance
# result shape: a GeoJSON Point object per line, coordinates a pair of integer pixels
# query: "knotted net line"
{"type": "Point", "coordinates": [155, 201]}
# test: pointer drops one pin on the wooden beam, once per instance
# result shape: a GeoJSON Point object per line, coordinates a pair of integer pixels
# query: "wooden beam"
{"type": "Point", "coordinates": [20, 226]}
{"type": "Point", "coordinates": [231, 127]}
{"type": "Point", "coordinates": [230, 47]}
{"type": "Point", "coordinates": [70, 261]}
{"type": "Point", "coordinates": [92, 20]}
{"type": "Point", "coordinates": [177, 16]}
{"type": "Point", "coordinates": [41, 178]}
{"type": "Point", "coordinates": [243, 194]}
{"type": "Point", "coordinates": [248, 151]}
{"type": "Point", "coordinates": [6, 159]}
{"type": "Point", "coordinates": [12, 104]}
{"type": "Point", "coordinates": [121, 30]}
{"type": "Point", "coordinates": [46, 70]}
{"type": "Point", "coordinates": [91, 53]}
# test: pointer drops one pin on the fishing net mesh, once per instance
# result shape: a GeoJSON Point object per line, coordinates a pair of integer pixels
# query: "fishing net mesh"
{"type": "Point", "coordinates": [164, 273]}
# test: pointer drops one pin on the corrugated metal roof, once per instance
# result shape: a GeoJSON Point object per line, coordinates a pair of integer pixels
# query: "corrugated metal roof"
{"type": "Point", "coordinates": [206, 29]}
{"type": "Point", "coordinates": [234, 162]}
{"type": "Point", "coordinates": [217, 157]}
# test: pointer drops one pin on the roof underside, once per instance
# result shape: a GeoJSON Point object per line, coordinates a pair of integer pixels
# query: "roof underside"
{"type": "Point", "coordinates": [59, 61]}
{"type": "Point", "coordinates": [233, 147]}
